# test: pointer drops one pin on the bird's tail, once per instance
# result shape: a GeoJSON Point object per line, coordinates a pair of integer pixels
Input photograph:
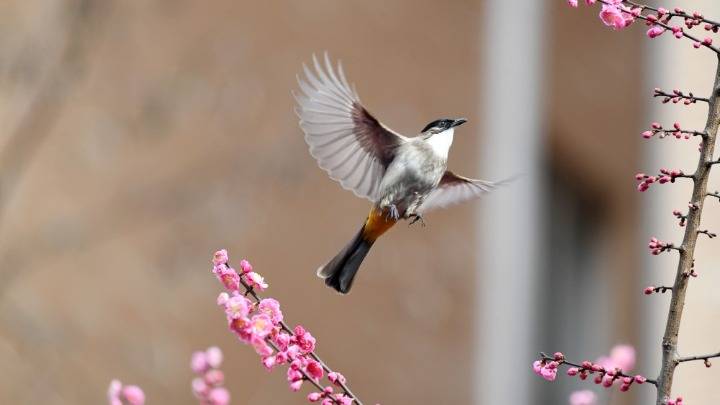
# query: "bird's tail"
{"type": "Point", "coordinates": [339, 272]}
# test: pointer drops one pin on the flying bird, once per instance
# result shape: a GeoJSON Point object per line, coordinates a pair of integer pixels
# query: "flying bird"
{"type": "Point", "coordinates": [403, 177]}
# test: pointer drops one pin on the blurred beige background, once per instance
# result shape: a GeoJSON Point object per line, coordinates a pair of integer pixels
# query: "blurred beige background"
{"type": "Point", "coordinates": [139, 137]}
{"type": "Point", "coordinates": [174, 135]}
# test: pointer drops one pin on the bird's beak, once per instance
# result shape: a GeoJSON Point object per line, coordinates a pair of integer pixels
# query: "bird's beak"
{"type": "Point", "coordinates": [459, 122]}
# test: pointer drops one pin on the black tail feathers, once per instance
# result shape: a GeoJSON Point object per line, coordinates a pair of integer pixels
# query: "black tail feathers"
{"type": "Point", "coordinates": [339, 272]}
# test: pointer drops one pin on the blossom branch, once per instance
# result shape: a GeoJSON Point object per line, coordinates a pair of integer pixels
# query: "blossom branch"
{"type": "Point", "coordinates": [259, 322]}
{"type": "Point", "coordinates": [249, 290]}
{"type": "Point", "coordinates": [665, 176]}
{"type": "Point", "coordinates": [591, 368]}
{"type": "Point", "coordinates": [678, 12]}
{"type": "Point", "coordinates": [676, 96]}
{"type": "Point", "coordinates": [686, 263]}
{"type": "Point", "coordinates": [607, 370]}
{"type": "Point", "coordinates": [676, 131]}
{"type": "Point", "coordinates": [662, 19]}
{"type": "Point", "coordinates": [619, 14]}
{"type": "Point", "coordinates": [657, 246]}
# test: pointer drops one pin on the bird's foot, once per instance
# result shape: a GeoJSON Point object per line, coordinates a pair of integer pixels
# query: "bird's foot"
{"type": "Point", "coordinates": [392, 212]}
{"type": "Point", "coordinates": [417, 218]}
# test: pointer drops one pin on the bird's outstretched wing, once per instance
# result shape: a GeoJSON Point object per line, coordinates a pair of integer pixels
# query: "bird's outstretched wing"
{"type": "Point", "coordinates": [454, 189]}
{"type": "Point", "coordinates": [345, 139]}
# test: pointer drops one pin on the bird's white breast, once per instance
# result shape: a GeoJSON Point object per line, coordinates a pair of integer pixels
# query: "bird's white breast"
{"type": "Point", "coordinates": [441, 142]}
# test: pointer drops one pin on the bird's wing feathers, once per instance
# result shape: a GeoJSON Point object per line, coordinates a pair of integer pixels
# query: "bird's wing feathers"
{"type": "Point", "coordinates": [454, 189]}
{"type": "Point", "coordinates": [345, 139]}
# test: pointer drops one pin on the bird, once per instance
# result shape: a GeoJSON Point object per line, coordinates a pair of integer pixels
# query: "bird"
{"type": "Point", "coordinates": [403, 177]}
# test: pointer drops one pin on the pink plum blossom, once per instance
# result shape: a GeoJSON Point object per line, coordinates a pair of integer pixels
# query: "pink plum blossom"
{"type": "Point", "coordinates": [255, 281]}
{"type": "Point", "coordinates": [271, 307]}
{"type": "Point", "coordinates": [214, 377]}
{"type": "Point", "coordinates": [113, 393]}
{"type": "Point", "coordinates": [537, 367]}
{"type": "Point", "coordinates": [296, 385]}
{"type": "Point", "coordinates": [623, 356]}
{"type": "Point", "coordinates": [261, 346]}
{"type": "Point", "coordinates": [237, 307]}
{"type": "Point", "coordinates": [245, 266]}
{"type": "Point", "coordinates": [228, 276]}
{"type": "Point", "coordinates": [214, 356]}
{"type": "Point", "coordinates": [548, 370]}
{"type": "Point", "coordinates": [223, 298]}
{"type": "Point", "coordinates": [281, 340]}
{"type": "Point", "coordinates": [133, 395]}
{"type": "Point", "coordinates": [344, 399]}
{"type": "Point", "coordinates": [220, 257]}
{"type": "Point", "coordinates": [336, 378]}
{"type": "Point", "coordinates": [655, 31]}
{"type": "Point", "coordinates": [207, 386]}
{"type": "Point", "coordinates": [260, 325]}
{"type": "Point", "coordinates": [584, 397]}
{"type": "Point", "coordinates": [219, 396]}
{"type": "Point", "coordinates": [130, 394]}
{"type": "Point", "coordinates": [199, 387]}
{"type": "Point", "coordinates": [612, 16]}
{"type": "Point", "coordinates": [198, 362]}
{"type": "Point", "coordinates": [304, 339]}
{"type": "Point", "coordinates": [314, 369]}
{"type": "Point", "coordinates": [269, 362]}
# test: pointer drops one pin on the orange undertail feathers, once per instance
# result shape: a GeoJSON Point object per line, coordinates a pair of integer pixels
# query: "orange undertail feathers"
{"type": "Point", "coordinates": [376, 224]}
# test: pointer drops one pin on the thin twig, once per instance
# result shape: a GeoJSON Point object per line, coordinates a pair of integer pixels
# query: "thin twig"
{"type": "Point", "coordinates": [708, 233]}
{"type": "Point", "coordinates": [704, 358]}
{"type": "Point", "coordinates": [662, 289]}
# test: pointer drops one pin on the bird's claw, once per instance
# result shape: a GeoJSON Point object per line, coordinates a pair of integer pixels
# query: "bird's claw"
{"type": "Point", "coordinates": [417, 218]}
{"type": "Point", "coordinates": [393, 213]}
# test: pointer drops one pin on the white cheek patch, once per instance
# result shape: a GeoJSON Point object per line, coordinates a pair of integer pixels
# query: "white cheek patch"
{"type": "Point", "coordinates": [441, 142]}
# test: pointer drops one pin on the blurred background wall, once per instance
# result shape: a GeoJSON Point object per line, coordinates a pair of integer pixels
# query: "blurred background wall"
{"type": "Point", "coordinates": [139, 137]}
{"type": "Point", "coordinates": [561, 269]}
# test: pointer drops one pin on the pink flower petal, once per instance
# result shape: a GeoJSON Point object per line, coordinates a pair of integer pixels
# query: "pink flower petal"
{"type": "Point", "coordinates": [134, 395]}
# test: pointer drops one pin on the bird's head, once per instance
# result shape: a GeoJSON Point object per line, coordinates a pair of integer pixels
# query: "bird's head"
{"type": "Point", "coordinates": [442, 125]}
